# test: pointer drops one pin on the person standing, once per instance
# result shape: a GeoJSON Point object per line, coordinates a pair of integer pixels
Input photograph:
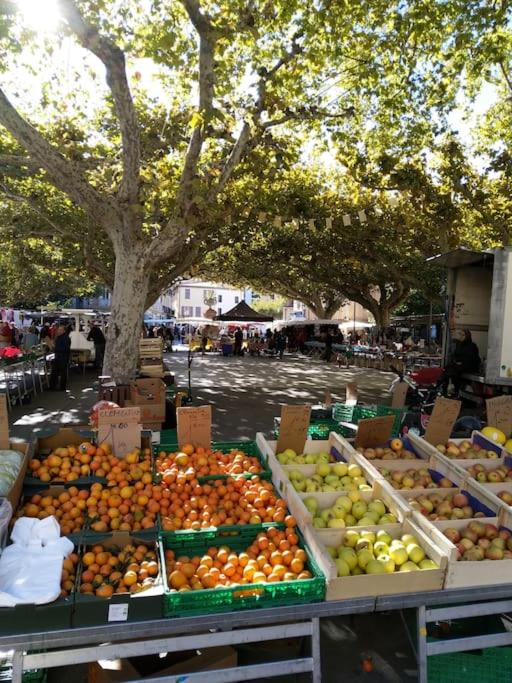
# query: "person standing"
{"type": "Point", "coordinates": [62, 351]}
{"type": "Point", "coordinates": [465, 359]}
{"type": "Point", "coordinates": [99, 341]}
{"type": "Point", "coordinates": [239, 337]}
{"type": "Point", "coordinates": [281, 344]}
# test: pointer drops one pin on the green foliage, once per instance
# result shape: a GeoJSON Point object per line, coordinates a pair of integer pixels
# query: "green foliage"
{"type": "Point", "coordinates": [268, 306]}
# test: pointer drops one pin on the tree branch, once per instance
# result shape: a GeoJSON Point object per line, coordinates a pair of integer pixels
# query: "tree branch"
{"type": "Point", "coordinates": [114, 61]}
{"type": "Point", "coordinates": [65, 174]}
{"type": "Point", "coordinates": [34, 206]}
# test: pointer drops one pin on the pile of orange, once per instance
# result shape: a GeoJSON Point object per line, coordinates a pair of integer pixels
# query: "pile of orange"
{"type": "Point", "coordinates": [126, 508]}
{"type": "Point", "coordinates": [274, 556]}
{"type": "Point", "coordinates": [191, 462]}
{"type": "Point", "coordinates": [130, 570]}
{"type": "Point", "coordinates": [68, 577]}
{"type": "Point", "coordinates": [222, 502]}
{"type": "Point", "coordinates": [72, 462]}
{"type": "Point", "coordinates": [68, 507]}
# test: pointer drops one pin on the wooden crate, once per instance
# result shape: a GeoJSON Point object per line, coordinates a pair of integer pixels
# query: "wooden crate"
{"type": "Point", "coordinates": [380, 490]}
{"type": "Point", "coordinates": [377, 584]}
{"type": "Point", "coordinates": [426, 448]}
{"type": "Point", "coordinates": [484, 497]}
{"type": "Point", "coordinates": [464, 574]}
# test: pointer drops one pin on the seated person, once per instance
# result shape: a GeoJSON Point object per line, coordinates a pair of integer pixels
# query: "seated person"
{"type": "Point", "coordinates": [465, 358]}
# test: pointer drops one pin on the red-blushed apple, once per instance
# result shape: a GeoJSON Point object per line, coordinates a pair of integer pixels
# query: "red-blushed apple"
{"type": "Point", "coordinates": [509, 543]}
{"type": "Point", "coordinates": [504, 534]}
{"type": "Point", "coordinates": [470, 535]}
{"type": "Point", "coordinates": [494, 553]}
{"type": "Point", "coordinates": [484, 543]}
{"type": "Point", "coordinates": [460, 500]}
{"type": "Point", "coordinates": [491, 531]}
{"type": "Point", "coordinates": [445, 483]}
{"type": "Point", "coordinates": [453, 535]}
{"type": "Point", "coordinates": [466, 544]}
{"type": "Point", "coordinates": [468, 511]}
{"type": "Point", "coordinates": [507, 554]}
{"type": "Point", "coordinates": [478, 528]}
{"type": "Point", "coordinates": [498, 543]}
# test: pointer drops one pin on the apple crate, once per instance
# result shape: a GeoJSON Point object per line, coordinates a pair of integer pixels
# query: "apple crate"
{"type": "Point", "coordinates": [480, 501]}
{"type": "Point", "coordinates": [418, 454]}
{"type": "Point", "coordinates": [436, 466]}
{"type": "Point", "coordinates": [493, 490]}
{"type": "Point", "coordinates": [461, 574]}
{"type": "Point", "coordinates": [364, 585]}
{"type": "Point", "coordinates": [380, 490]}
{"type": "Point", "coordinates": [476, 438]}
{"type": "Point", "coordinates": [336, 446]}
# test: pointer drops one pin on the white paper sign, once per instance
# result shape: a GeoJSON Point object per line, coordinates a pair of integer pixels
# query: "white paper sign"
{"type": "Point", "coordinates": [118, 612]}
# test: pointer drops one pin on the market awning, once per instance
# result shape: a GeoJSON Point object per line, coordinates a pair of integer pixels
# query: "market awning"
{"type": "Point", "coordinates": [460, 257]}
{"type": "Point", "coordinates": [243, 313]}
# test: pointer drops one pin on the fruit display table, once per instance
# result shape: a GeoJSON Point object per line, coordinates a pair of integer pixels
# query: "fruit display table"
{"type": "Point", "coordinates": [81, 645]}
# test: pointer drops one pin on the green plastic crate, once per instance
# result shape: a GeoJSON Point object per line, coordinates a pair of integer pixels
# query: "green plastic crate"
{"type": "Point", "coordinates": [248, 447]}
{"type": "Point", "coordinates": [234, 598]}
{"type": "Point", "coordinates": [319, 430]}
{"type": "Point", "coordinates": [168, 436]}
{"type": "Point", "coordinates": [344, 413]}
{"type": "Point", "coordinates": [187, 538]}
{"type": "Point", "coordinates": [493, 665]}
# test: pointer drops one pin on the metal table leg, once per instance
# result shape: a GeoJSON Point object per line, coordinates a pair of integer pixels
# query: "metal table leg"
{"type": "Point", "coordinates": [421, 625]}
{"type": "Point", "coordinates": [17, 667]}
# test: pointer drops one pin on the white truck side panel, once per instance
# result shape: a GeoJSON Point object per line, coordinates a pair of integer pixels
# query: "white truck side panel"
{"type": "Point", "coordinates": [499, 358]}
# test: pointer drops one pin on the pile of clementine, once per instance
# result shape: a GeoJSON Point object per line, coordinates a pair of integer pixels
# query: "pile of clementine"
{"type": "Point", "coordinates": [72, 462]}
{"type": "Point", "coordinates": [130, 570]}
{"type": "Point", "coordinates": [222, 502]}
{"type": "Point", "coordinates": [68, 577]}
{"type": "Point", "coordinates": [191, 462]}
{"type": "Point", "coordinates": [274, 556]}
{"type": "Point", "coordinates": [68, 507]}
{"type": "Point", "coordinates": [126, 508]}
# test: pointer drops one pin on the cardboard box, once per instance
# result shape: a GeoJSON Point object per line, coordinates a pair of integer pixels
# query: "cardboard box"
{"type": "Point", "coordinates": [26, 449]}
{"type": "Point", "coordinates": [91, 610]}
{"type": "Point", "coordinates": [149, 395]}
{"type": "Point", "coordinates": [173, 664]}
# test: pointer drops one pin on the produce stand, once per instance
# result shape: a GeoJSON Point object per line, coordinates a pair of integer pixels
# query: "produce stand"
{"type": "Point", "coordinates": [147, 634]}
{"type": "Point", "coordinates": [80, 645]}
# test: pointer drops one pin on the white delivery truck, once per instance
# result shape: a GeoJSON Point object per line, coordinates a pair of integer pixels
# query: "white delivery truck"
{"type": "Point", "coordinates": [479, 298]}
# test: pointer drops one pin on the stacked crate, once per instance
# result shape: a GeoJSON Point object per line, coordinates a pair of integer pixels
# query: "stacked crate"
{"type": "Point", "coordinates": [151, 357]}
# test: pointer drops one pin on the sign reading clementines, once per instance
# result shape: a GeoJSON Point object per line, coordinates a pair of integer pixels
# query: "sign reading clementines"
{"type": "Point", "coordinates": [194, 426]}
{"type": "Point", "coordinates": [121, 428]}
{"type": "Point", "coordinates": [4, 422]}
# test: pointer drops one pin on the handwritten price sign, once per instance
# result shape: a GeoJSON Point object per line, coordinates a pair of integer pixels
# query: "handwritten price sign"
{"type": "Point", "coordinates": [499, 413]}
{"type": "Point", "coordinates": [375, 431]}
{"type": "Point", "coordinates": [440, 426]}
{"type": "Point", "coordinates": [195, 426]}
{"type": "Point", "coordinates": [293, 430]}
{"type": "Point", "coordinates": [121, 428]}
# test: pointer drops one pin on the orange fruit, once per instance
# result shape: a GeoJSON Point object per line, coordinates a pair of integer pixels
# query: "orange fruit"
{"type": "Point", "coordinates": [177, 579]}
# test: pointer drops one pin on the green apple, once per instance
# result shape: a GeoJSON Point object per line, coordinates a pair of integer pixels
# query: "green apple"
{"type": "Point", "coordinates": [398, 555]}
{"type": "Point", "coordinates": [331, 479]}
{"type": "Point", "coordinates": [283, 458]}
{"type": "Point", "coordinates": [310, 459]}
{"type": "Point", "coordinates": [334, 523]}
{"type": "Point", "coordinates": [345, 502]}
{"type": "Point", "coordinates": [409, 567]}
{"type": "Point", "coordinates": [300, 460]}
{"type": "Point", "coordinates": [378, 507]}
{"type": "Point", "coordinates": [323, 469]}
{"type": "Point", "coordinates": [322, 457]}
{"type": "Point", "coordinates": [325, 515]}
{"type": "Point", "coordinates": [354, 495]}
{"type": "Point", "coordinates": [381, 548]}
{"type": "Point", "coordinates": [351, 538]}
{"type": "Point", "coordinates": [318, 479]}
{"type": "Point", "coordinates": [346, 480]}
{"type": "Point", "coordinates": [338, 512]}
{"type": "Point", "coordinates": [296, 475]}
{"type": "Point", "coordinates": [365, 487]}
{"type": "Point", "coordinates": [319, 523]}
{"type": "Point", "coordinates": [408, 539]}
{"type": "Point", "coordinates": [327, 488]}
{"type": "Point", "coordinates": [387, 561]}
{"type": "Point", "coordinates": [359, 481]}
{"type": "Point", "coordinates": [357, 571]}
{"type": "Point", "coordinates": [373, 516]}
{"type": "Point", "coordinates": [354, 470]}
{"type": "Point", "coordinates": [311, 504]}
{"type": "Point", "coordinates": [369, 535]}
{"type": "Point", "coordinates": [363, 557]}
{"type": "Point", "coordinates": [428, 564]}
{"type": "Point", "coordinates": [388, 518]}
{"type": "Point", "coordinates": [383, 535]}
{"type": "Point", "coordinates": [350, 520]}
{"type": "Point", "coordinates": [415, 553]}
{"type": "Point", "coordinates": [359, 509]}
{"type": "Point", "coordinates": [290, 453]}
{"type": "Point", "coordinates": [364, 544]}
{"type": "Point", "coordinates": [375, 567]}
{"type": "Point", "coordinates": [342, 567]}
{"type": "Point", "coordinates": [365, 521]}
{"type": "Point", "coordinates": [340, 469]}
{"type": "Point", "coordinates": [300, 485]}
{"type": "Point", "coordinates": [312, 486]}
{"type": "Point", "coordinates": [332, 551]}
{"type": "Point", "coordinates": [349, 555]}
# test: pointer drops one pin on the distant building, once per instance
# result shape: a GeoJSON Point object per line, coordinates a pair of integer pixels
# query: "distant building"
{"type": "Point", "coordinates": [193, 298]}
{"type": "Point", "coordinates": [348, 312]}
{"type": "Point", "coordinates": [101, 300]}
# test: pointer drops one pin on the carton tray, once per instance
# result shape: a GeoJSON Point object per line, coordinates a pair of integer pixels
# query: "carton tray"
{"type": "Point", "coordinates": [465, 574]}
{"type": "Point", "coordinates": [377, 584]}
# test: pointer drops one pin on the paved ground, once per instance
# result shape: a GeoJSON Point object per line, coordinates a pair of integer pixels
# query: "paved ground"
{"type": "Point", "coordinates": [246, 394]}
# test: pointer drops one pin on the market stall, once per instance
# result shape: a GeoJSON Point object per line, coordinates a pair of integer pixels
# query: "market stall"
{"type": "Point", "coordinates": [291, 499]}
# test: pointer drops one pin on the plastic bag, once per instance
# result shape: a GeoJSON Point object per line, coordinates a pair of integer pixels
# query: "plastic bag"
{"type": "Point", "coordinates": [10, 463]}
{"type": "Point", "coordinates": [5, 518]}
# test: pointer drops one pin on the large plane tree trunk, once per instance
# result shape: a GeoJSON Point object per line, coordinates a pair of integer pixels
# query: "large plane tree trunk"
{"type": "Point", "coordinates": [127, 313]}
